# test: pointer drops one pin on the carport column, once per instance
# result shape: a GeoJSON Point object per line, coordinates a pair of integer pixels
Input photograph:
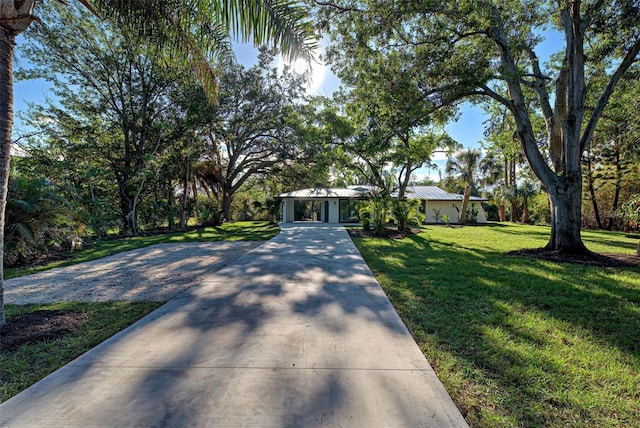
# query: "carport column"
{"type": "Point", "coordinates": [288, 211]}
{"type": "Point", "coordinates": [284, 210]}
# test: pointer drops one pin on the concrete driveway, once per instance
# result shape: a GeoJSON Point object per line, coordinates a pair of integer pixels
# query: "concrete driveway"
{"type": "Point", "coordinates": [295, 333]}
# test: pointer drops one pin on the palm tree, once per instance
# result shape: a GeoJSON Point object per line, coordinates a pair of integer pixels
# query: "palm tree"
{"type": "Point", "coordinates": [528, 189]}
{"type": "Point", "coordinates": [465, 167]}
{"type": "Point", "coordinates": [191, 32]}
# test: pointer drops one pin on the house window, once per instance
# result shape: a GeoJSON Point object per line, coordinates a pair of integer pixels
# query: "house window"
{"type": "Point", "coordinates": [349, 211]}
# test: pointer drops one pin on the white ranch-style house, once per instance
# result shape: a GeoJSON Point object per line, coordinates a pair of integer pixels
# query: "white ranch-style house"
{"type": "Point", "coordinates": [340, 205]}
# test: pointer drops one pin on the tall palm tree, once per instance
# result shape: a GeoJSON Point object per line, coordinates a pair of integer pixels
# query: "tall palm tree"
{"type": "Point", "coordinates": [191, 32]}
{"type": "Point", "coordinates": [465, 166]}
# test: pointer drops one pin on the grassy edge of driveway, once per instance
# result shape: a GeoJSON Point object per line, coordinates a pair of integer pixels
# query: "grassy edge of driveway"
{"type": "Point", "coordinates": [23, 366]}
{"type": "Point", "coordinates": [518, 341]}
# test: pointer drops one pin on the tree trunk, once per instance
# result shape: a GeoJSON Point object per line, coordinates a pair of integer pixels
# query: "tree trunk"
{"type": "Point", "coordinates": [565, 197]}
{"type": "Point", "coordinates": [185, 197]}
{"type": "Point", "coordinates": [514, 211]}
{"type": "Point", "coordinates": [170, 216]}
{"type": "Point", "coordinates": [502, 212]}
{"type": "Point", "coordinates": [525, 214]}
{"type": "Point", "coordinates": [226, 204]}
{"type": "Point", "coordinates": [592, 191]}
{"type": "Point", "coordinates": [7, 45]}
{"type": "Point", "coordinates": [128, 215]}
{"type": "Point", "coordinates": [465, 203]}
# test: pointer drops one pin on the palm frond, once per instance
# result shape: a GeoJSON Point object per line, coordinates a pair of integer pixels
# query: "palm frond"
{"type": "Point", "coordinates": [197, 32]}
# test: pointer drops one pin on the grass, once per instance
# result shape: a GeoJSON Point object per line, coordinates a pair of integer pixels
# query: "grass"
{"type": "Point", "coordinates": [238, 231]}
{"type": "Point", "coordinates": [519, 341]}
{"type": "Point", "coordinates": [24, 366]}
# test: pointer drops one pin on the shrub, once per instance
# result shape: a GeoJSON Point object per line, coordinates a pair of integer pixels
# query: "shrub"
{"type": "Point", "coordinates": [37, 219]}
{"type": "Point", "coordinates": [404, 212]}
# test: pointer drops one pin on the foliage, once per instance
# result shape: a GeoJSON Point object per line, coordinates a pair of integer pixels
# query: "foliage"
{"type": "Point", "coordinates": [377, 207]}
{"type": "Point", "coordinates": [465, 167]}
{"type": "Point", "coordinates": [630, 211]}
{"type": "Point", "coordinates": [406, 212]}
{"type": "Point", "coordinates": [461, 50]}
{"type": "Point", "coordinates": [365, 217]}
{"type": "Point", "coordinates": [518, 341]}
{"type": "Point", "coordinates": [437, 215]}
{"type": "Point", "coordinates": [208, 212]}
{"type": "Point", "coordinates": [37, 218]}
{"type": "Point", "coordinates": [472, 214]}
{"type": "Point", "coordinates": [540, 212]}
{"type": "Point", "coordinates": [611, 160]}
{"type": "Point", "coordinates": [29, 363]}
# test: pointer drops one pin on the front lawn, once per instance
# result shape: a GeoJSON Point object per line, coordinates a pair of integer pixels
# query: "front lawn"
{"type": "Point", "coordinates": [519, 341]}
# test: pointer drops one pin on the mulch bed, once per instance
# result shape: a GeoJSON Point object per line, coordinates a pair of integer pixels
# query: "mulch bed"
{"type": "Point", "coordinates": [38, 326]}
{"type": "Point", "coordinates": [388, 233]}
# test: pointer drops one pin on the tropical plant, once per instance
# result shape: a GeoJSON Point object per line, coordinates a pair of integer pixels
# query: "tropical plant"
{"type": "Point", "coordinates": [527, 190]}
{"type": "Point", "coordinates": [437, 214]}
{"type": "Point", "coordinates": [472, 214]}
{"type": "Point", "coordinates": [405, 212]}
{"type": "Point", "coordinates": [37, 218]}
{"type": "Point", "coordinates": [378, 209]}
{"type": "Point", "coordinates": [465, 167]}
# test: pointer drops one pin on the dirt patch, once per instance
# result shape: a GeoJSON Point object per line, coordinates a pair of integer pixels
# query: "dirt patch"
{"type": "Point", "coordinates": [592, 259]}
{"type": "Point", "coordinates": [38, 326]}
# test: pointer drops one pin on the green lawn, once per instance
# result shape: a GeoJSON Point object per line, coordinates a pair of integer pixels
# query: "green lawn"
{"type": "Point", "coordinates": [238, 231]}
{"type": "Point", "coordinates": [519, 341]}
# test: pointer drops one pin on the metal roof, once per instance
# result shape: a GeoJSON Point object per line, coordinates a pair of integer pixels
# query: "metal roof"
{"type": "Point", "coordinates": [434, 193]}
{"type": "Point", "coordinates": [430, 193]}
{"type": "Point", "coordinates": [323, 192]}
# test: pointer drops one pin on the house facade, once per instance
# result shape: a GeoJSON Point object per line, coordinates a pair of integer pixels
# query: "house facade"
{"type": "Point", "coordinates": [341, 205]}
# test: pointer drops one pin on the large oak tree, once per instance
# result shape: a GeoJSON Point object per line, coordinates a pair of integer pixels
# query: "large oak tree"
{"type": "Point", "coordinates": [469, 49]}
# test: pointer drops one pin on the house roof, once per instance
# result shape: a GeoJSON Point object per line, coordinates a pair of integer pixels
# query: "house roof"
{"type": "Point", "coordinates": [430, 193]}
{"type": "Point", "coordinates": [323, 192]}
{"type": "Point", "coordinates": [434, 193]}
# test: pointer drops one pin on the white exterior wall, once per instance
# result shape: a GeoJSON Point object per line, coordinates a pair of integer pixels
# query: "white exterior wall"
{"type": "Point", "coordinates": [446, 207]}
{"type": "Point", "coordinates": [334, 211]}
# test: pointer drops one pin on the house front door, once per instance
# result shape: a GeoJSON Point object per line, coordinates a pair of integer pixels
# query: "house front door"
{"type": "Point", "coordinates": [326, 211]}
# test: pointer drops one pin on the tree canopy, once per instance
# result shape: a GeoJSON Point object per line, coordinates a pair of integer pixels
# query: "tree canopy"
{"type": "Point", "coordinates": [486, 50]}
